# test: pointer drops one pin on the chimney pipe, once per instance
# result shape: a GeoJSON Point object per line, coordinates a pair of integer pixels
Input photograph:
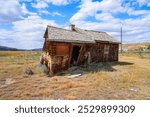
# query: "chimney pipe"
{"type": "Point", "coordinates": [72, 27]}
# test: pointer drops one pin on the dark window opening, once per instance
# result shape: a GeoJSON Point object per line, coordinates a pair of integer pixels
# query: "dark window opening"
{"type": "Point", "coordinates": [75, 54]}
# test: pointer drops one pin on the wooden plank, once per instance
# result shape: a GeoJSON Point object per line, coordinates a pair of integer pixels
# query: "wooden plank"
{"type": "Point", "coordinates": [80, 53]}
{"type": "Point", "coordinates": [70, 54]}
{"type": "Point", "coordinates": [62, 50]}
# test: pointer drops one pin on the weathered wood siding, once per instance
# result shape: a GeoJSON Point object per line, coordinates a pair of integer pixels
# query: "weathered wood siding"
{"type": "Point", "coordinates": [103, 52]}
{"type": "Point", "coordinates": [58, 54]}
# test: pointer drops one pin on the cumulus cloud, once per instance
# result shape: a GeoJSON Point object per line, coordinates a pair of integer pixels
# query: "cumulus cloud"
{"type": "Point", "coordinates": [28, 28]}
{"type": "Point", "coordinates": [26, 33]}
{"type": "Point", "coordinates": [112, 6]}
{"type": "Point", "coordinates": [25, 0]}
{"type": "Point", "coordinates": [44, 3]}
{"type": "Point", "coordinates": [58, 2]}
{"type": "Point", "coordinates": [61, 2]}
{"type": "Point", "coordinates": [9, 11]}
{"type": "Point", "coordinates": [105, 12]}
{"type": "Point", "coordinates": [25, 11]}
{"type": "Point", "coordinates": [142, 2]}
{"type": "Point", "coordinates": [41, 11]}
{"type": "Point", "coordinates": [56, 13]}
{"type": "Point", "coordinates": [40, 5]}
{"type": "Point", "coordinates": [106, 17]}
{"type": "Point", "coordinates": [87, 8]}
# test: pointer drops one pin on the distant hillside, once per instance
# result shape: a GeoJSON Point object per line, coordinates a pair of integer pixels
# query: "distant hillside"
{"type": "Point", "coordinates": [135, 46]}
{"type": "Point", "coordinates": [5, 48]}
{"type": "Point", "coordinates": [37, 49]}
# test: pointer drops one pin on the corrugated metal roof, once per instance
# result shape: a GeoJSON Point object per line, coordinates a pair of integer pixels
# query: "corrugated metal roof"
{"type": "Point", "coordinates": [78, 35]}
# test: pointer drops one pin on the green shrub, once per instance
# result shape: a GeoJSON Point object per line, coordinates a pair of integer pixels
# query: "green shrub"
{"type": "Point", "coordinates": [148, 47]}
{"type": "Point", "coordinates": [41, 68]}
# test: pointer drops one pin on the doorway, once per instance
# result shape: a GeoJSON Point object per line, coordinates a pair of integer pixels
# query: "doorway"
{"type": "Point", "coordinates": [75, 54]}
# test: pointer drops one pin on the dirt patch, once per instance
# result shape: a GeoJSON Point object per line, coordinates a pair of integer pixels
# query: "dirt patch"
{"type": "Point", "coordinates": [6, 82]}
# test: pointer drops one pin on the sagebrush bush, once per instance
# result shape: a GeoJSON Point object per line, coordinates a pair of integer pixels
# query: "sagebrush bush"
{"type": "Point", "coordinates": [41, 68]}
{"type": "Point", "coordinates": [148, 47]}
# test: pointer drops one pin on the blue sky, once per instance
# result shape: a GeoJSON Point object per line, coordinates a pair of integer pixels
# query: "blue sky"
{"type": "Point", "coordinates": [23, 22]}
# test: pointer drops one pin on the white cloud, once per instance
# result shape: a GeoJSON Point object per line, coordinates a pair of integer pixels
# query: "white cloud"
{"type": "Point", "coordinates": [61, 2]}
{"type": "Point", "coordinates": [134, 29]}
{"type": "Point", "coordinates": [40, 5]}
{"type": "Point", "coordinates": [43, 12]}
{"type": "Point", "coordinates": [44, 3]}
{"type": "Point", "coordinates": [107, 17]}
{"type": "Point", "coordinates": [26, 11]}
{"type": "Point", "coordinates": [90, 8]}
{"type": "Point", "coordinates": [144, 2]}
{"type": "Point", "coordinates": [25, 0]}
{"type": "Point", "coordinates": [87, 8]}
{"type": "Point", "coordinates": [27, 33]}
{"type": "Point", "coordinates": [137, 12]}
{"type": "Point", "coordinates": [112, 6]}
{"type": "Point", "coordinates": [9, 11]}
{"type": "Point", "coordinates": [135, 3]}
{"type": "Point", "coordinates": [57, 14]}
{"type": "Point", "coordinates": [58, 2]}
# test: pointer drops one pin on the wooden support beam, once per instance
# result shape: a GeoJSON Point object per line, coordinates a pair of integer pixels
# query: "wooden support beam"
{"type": "Point", "coordinates": [70, 54]}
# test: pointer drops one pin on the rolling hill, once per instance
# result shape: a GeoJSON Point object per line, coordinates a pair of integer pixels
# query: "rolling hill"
{"type": "Point", "coordinates": [135, 46]}
{"type": "Point", "coordinates": [5, 48]}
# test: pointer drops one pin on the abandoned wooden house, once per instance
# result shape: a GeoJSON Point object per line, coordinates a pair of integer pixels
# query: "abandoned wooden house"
{"type": "Point", "coordinates": [64, 48]}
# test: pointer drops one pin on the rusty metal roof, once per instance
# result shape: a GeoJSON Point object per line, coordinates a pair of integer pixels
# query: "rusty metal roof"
{"type": "Point", "coordinates": [78, 35]}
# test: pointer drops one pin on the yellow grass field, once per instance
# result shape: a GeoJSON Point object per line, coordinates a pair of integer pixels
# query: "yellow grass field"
{"type": "Point", "coordinates": [127, 79]}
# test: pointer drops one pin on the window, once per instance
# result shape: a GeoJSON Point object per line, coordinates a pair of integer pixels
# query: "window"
{"type": "Point", "coordinates": [106, 49]}
{"type": "Point", "coordinates": [62, 50]}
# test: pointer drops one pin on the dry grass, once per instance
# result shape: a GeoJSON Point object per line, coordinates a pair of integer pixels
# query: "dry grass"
{"type": "Point", "coordinates": [127, 79]}
{"type": "Point", "coordinates": [135, 46]}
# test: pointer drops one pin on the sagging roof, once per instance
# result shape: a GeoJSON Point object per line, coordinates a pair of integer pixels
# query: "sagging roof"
{"type": "Point", "coordinates": [77, 35]}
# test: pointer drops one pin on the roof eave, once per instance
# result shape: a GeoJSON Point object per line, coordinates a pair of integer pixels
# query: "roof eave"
{"type": "Point", "coordinates": [70, 41]}
{"type": "Point", "coordinates": [46, 31]}
{"type": "Point", "coordinates": [102, 41]}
